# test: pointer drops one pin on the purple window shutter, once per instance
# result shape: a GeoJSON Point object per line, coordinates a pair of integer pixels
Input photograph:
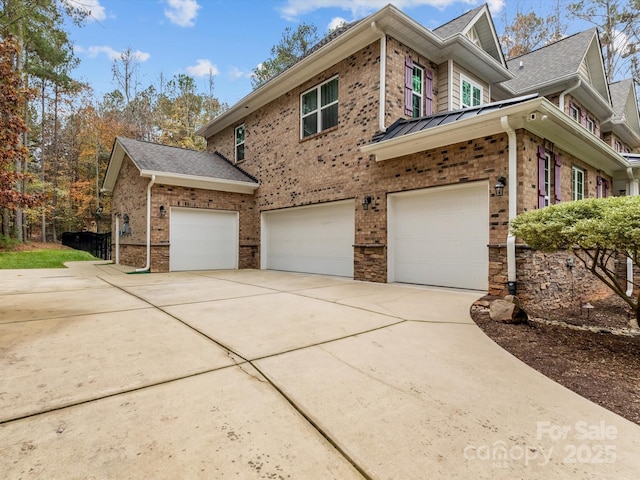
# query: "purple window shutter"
{"type": "Point", "coordinates": [408, 86]}
{"type": "Point", "coordinates": [429, 92]}
{"type": "Point", "coordinates": [606, 188]}
{"type": "Point", "coordinates": [542, 193]}
{"type": "Point", "coordinates": [557, 187]}
{"type": "Point", "coordinates": [599, 184]}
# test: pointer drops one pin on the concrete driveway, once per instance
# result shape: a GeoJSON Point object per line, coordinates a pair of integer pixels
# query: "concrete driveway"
{"type": "Point", "coordinates": [261, 374]}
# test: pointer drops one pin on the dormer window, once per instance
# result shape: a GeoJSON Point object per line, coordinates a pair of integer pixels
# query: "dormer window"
{"type": "Point", "coordinates": [471, 93]}
{"type": "Point", "coordinates": [473, 36]}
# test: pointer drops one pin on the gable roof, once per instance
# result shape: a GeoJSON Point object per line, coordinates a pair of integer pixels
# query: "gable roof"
{"type": "Point", "coordinates": [178, 166]}
{"type": "Point", "coordinates": [480, 19]}
{"type": "Point", "coordinates": [556, 66]}
{"type": "Point", "coordinates": [625, 106]}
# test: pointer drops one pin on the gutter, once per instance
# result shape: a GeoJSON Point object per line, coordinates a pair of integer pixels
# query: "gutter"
{"type": "Point", "coordinates": [512, 277]}
{"type": "Point", "coordinates": [383, 79]}
{"type": "Point", "coordinates": [568, 90]}
{"type": "Point", "coordinates": [147, 267]}
{"type": "Point", "coordinates": [117, 238]}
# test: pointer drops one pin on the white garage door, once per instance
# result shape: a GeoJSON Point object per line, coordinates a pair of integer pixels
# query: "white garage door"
{"type": "Point", "coordinates": [315, 239]}
{"type": "Point", "coordinates": [439, 236]}
{"type": "Point", "coordinates": [203, 239]}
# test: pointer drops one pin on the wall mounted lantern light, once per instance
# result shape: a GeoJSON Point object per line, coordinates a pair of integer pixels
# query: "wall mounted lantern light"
{"type": "Point", "coordinates": [163, 211]}
{"type": "Point", "coordinates": [365, 203]}
{"type": "Point", "coordinates": [499, 187]}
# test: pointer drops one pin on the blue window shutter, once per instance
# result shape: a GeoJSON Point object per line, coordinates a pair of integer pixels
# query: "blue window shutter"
{"type": "Point", "coordinates": [408, 86]}
{"type": "Point", "coordinates": [557, 187]}
{"type": "Point", "coordinates": [542, 159]}
{"type": "Point", "coordinates": [429, 92]}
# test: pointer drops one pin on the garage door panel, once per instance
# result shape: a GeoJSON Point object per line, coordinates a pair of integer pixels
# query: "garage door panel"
{"type": "Point", "coordinates": [440, 236]}
{"type": "Point", "coordinates": [317, 239]}
{"type": "Point", "coordinates": [203, 239]}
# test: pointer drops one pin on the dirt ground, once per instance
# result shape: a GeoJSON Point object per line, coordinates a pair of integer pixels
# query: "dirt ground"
{"type": "Point", "coordinates": [603, 367]}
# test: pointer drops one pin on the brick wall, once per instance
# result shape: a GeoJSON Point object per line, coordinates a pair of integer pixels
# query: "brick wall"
{"type": "Point", "coordinates": [129, 196]}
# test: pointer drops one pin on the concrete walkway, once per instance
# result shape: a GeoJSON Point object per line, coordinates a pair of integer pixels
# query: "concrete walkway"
{"type": "Point", "coordinates": [261, 374]}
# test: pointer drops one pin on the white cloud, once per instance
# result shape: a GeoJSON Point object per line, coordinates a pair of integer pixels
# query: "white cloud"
{"type": "Point", "coordinates": [293, 9]}
{"type": "Point", "coordinates": [202, 68]}
{"type": "Point", "coordinates": [235, 73]}
{"type": "Point", "coordinates": [93, 7]}
{"type": "Point", "coordinates": [114, 54]}
{"type": "Point", "coordinates": [335, 23]}
{"type": "Point", "coordinates": [182, 12]}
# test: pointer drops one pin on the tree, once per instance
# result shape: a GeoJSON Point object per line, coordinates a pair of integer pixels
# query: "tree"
{"type": "Point", "coordinates": [293, 45]}
{"type": "Point", "coordinates": [13, 96]}
{"type": "Point", "coordinates": [618, 22]}
{"type": "Point", "coordinates": [599, 230]}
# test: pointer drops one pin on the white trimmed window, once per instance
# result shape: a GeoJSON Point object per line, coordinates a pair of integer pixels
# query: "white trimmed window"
{"type": "Point", "coordinates": [239, 135]}
{"type": "Point", "coordinates": [591, 125]}
{"type": "Point", "coordinates": [547, 179]}
{"type": "Point", "coordinates": [319, 108]}
{"type": "Point", "coordinates": [470, 93]}
{"type": "Point", "coordinates": [574, 112]}
{"type": "Point", "coordinates": [577, 179]}
{"type": "Point", "coordinates": [417, 91]}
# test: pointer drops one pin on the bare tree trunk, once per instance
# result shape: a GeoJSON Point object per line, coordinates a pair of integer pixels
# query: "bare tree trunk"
{"type": "Point", "coordinates": [56, 160]}
{"type": "Point", "coordinates": [42, 155]}
{"type": "Point", "coordinates": [17, 221]}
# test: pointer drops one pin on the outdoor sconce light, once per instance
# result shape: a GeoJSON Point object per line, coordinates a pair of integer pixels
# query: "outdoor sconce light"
{"type": "Point", "coordinates": [365, 203]}
{"type": "Point", "coordinates": [163, 211]}
{"type": "Point", "coordinates": [500, 186]}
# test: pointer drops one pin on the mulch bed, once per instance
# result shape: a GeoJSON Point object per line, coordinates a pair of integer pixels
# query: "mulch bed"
{"type": "Point", "coordinates": [602, 367]}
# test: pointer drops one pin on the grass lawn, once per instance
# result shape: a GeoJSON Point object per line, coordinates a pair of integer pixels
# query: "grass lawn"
{"type": "Point", "coordinates": [42, 258]}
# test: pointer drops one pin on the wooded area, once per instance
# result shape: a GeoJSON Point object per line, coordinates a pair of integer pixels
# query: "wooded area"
{"type": "Point", "coordinates": [57, 136]}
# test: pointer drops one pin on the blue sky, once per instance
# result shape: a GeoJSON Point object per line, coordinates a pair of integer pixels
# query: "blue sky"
{"type": "Point", "coordinates": [227, 37]}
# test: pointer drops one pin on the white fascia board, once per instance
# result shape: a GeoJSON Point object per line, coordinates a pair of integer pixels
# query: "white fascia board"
{"type": "Point", "coordinates": [556, 127]}
{"type": "Point", "coordinates": [113, 169]}
{"type": "Point", "coordinates": [192, 181]}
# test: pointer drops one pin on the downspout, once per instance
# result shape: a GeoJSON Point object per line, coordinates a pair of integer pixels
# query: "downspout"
{"type": "Point", "coordinates": [633, 191]}
{"type": "Point", "coordinates": [148, 265]}
{"type": "Point", "coordinates": [383, 77]}
{"type": "Point", "coordinates": [117, 239]}
{"type": "Point", "coordinates": [512, 185]}
{"type": "Point", "coordinates": [568, 90]}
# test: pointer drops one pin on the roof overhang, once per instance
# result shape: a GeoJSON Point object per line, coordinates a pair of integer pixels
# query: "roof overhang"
{"type": "Point", "coordinates": [118, 155]}
{"type": "Point", "coordinates": [204, 183]}
{"type": "Point", "coordinates": [389, 20]}
{"type": "Point", "coordinates": [538, 116]}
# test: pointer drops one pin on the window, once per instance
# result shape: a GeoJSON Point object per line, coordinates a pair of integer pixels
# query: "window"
{"type": "Point", "coordinates": [471, 95]}
{"type": "Point", "coordinates": [547, 178]}
{"type": "Point", "coordinates": [319, 108]}
{"type": "Point", "coordinates": [239, 143]}
{"type": "Point", "coordinates": [591, 125]}
{"type": "Point", "coordinates": [574, 112]}
{"type": "Point", "coordinates": [618, 146]}
{"type": "Point", "coordinates": [577, 178]}
{"type": "Point", "coordinates": [603, 187]}
{"type": "Point", "coordinates": [416, 91]}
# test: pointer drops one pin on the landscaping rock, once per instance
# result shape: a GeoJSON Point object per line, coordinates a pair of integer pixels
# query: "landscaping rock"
{"type": "Point", "coordinates": [508, 310]}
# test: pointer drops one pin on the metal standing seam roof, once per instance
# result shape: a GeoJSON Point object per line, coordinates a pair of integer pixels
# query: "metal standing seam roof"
{"type": "Point", "coordinates": [169, 160]}
{"type": "Point", "coordinates": [551, 62]}
{"type": "Point", "coordinates": [406, 126]}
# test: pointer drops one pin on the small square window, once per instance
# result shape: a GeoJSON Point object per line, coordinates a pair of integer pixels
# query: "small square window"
{"type": "Point", "coordinates": [471, 94]}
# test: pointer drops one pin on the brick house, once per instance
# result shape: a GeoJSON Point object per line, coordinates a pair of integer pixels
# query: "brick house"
{"type": "Point", "coordinates": [389, 153]}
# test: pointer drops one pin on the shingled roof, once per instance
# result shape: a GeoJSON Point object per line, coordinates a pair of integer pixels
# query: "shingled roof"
{"type": "Point", "coordinates": [177, 166]}
{"type": "Point", "coordinates": [458, 24]}
{"type": "Point", "coordinates": [544, 65]}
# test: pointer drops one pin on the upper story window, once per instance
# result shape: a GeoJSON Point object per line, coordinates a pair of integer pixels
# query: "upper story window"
{"type": "Point", "coordinates": [577, 179]}
{"type": "Point", "coordinates": [319, 108]}
{"type": "Point", "coordinates": [591, 125]}
{"type": "Point", "coordinates": [471, 93]}
{"type": "Point", "coordinates": [239, 135]}
{"type": "Point", "coordinates": [416, 91]}
{"type": "Point", "coordinates": [574, 112]}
